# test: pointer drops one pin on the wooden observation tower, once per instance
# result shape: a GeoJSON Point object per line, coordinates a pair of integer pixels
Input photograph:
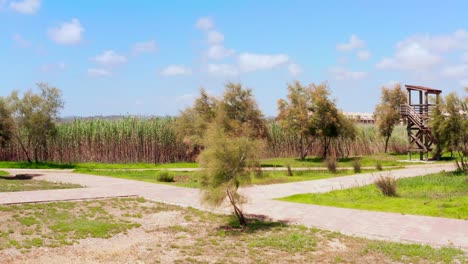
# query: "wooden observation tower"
{"type": "Point", "coordinates": [417, 117]}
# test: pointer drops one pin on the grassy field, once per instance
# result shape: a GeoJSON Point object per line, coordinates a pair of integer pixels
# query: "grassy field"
{"type": "Point", "coordinates": [134, 230]}
{"type": "Point", "coordinates": [8, 184]}
{"type": "Point", "coordinates": [366, 161]}
{"type": "Point", "coordinates": [191, 179]}
{"type": "Point", "coordinates": [441, 195]}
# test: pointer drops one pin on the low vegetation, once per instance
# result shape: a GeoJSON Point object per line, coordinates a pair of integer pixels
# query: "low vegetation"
{"type": "Point", "coordinates": [132, 230]}
{"type": "Point", "coordinates": [192, 179]}
{"type": "Point", "coordinates": [387, 186]}
{"type": "Point", "coordinates": [441, 195]}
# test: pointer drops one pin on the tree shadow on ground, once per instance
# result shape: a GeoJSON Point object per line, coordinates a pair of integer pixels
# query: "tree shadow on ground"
{"type": "Point", "coordinates": [20, 177]}
{"type": "Point", "coordinates": [254, 223]}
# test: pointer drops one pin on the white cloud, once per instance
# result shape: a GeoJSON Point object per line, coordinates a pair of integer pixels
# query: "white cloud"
{"type": "Point", "coordinates": [219, 52]}
{"type": "Point", "coordinates": [215, 37]}
{"type": "Point", "coordinates": [251, 62]}
{"type": "Point", "coordinates": [26, 6]}
{"type": "Point", "coordinates": [422, 52]}
{"type": "Point", "coordinates": [148, 46]}
{"type": "Point", "coordinates": [464, 57]}
{"type": "Point", "coordinates": [341, 73]}
{"type": "Point", "coordinates": [464, 83]}
{"type": "Point", "coordinates": [343, 60]}
{"type": "Point", "coordinates": [457, 71]}
{"type": "Point", "coordinates": [204, 23]}
{"type": "Point", "coordinates": [174, 70]}
{"type": "Point", "coordinates": [354, 43]}
{"type": "Point", "coordinates": [457, 40]}
{"type": "Point", "coordinates": [411, 57]}
{"type": "Point", "coordinates": [222, 70]}
{"type": "Point", "coordinates": [294, 69]}
{"type": "Point", "coordinates": [53, 67]}
{"type": "Point", "coordinates": [99, 72]}
{"type": "Point", "coordinates": [67, 33]}
{"type": "Point", "coordinates": [110, 58]}
{"type": "Point", "coordinates": [20, 41]}
{"type": "Point", "coordinates": [364, 55]}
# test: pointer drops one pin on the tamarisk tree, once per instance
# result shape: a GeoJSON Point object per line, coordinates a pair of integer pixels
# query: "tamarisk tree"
{"type": "Point", "coordinates": [387, 113]}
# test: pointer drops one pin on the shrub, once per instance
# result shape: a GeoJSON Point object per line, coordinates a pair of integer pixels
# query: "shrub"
{"type": "Point", "coordinates": [331, 164]}
{"type": "Point", "coordinates": [290, 173]}
{"type": "Point", "coordinates": [378, 165]}
{"type": "Point", "coordinates": [165, 176]}
{"type": "Point", "coordinates": [357, 165]}
{"type": "Point", "coordinates": [387, 185]}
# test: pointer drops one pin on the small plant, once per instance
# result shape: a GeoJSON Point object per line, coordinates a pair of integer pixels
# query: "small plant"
{"type": "Point", "coordinates": [378, 165]}
{"type": "Point", "coordinates": [290, 172]}
{"type": "Point", "coordinates": [165, 176]}
{"type": "Point", "coordinates": [357, 165]}
{"type": "Point", "coordinates": [331, 164]}
{"type": "Point", "coordinates": [387, 185]}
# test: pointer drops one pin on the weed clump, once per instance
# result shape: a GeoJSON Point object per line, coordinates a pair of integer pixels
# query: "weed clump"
{"type": "Point", "coordinates": [331, 164]}
{"type": "Point", "coordinates": [357, 165]}
{"type": "Point", "coordinates": [290, 173]}
{"type": "Point", "coordinates": [165, 176]}
{"type": "Point", "coordinates": [387, 185]}
{"type": "Point", "coordinates": [378, 165]}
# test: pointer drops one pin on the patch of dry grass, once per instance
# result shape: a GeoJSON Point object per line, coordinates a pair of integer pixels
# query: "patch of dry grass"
{"type": "Point", "coordinates": [170, 234]}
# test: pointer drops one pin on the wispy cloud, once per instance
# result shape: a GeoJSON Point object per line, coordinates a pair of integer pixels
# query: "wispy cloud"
{"type": "Point", "coordinates": [354, 43]}
{"type": "Point", "coordinates": [110, 58]}
{"type": "Point", "coordinates": [20, 41]}
{"type": "Point", "coordinates": [294, 69]}
{"type": "Point", "coordinates": [99, 72]}
{"type": "Point", "coordinates": [341, 73]}
{"type": "Point", "coordinates": [249, 62]}
{"type": "Point", "coordinates": [222, 70]}
{"type": "Point", "coordinates": [28, 7]}
{"type": "Point", "coordinates": [175, 70]}
{"type": "Point", "coordinates": [146, 46]}
{"type": "Point", "coordinates": [204, 23]}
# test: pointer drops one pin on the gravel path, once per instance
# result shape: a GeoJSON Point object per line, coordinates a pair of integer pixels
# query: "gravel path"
{"type": "Point", "coordinates": [389, 226]}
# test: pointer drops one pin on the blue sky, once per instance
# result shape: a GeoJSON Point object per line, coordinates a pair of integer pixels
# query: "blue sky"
{"type": "Point", "coordinates": [152, 57]}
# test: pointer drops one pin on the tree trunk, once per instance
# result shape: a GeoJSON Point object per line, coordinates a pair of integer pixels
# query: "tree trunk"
{"type": "Point", "coordinates": [238, 212]}
{"type": "Point", "coordinates": [23, 148]}
{"type": "Point", "coordinates": [326, 146]}
{"type": "Point", "coordinates": [386, 143]}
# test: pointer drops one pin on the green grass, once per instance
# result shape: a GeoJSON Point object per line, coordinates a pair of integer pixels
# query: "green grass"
{"type": "Point", "coordinates": [273, 177]}
{"type": "Point", "coordinates": [4, 173]}
{"type": "Point", "coordinates": [413, 252]}
{"type": "Point", "coordinates": [92, 165]}
{"type": "Point", "coordinates": [33, 165]}
{"type": "Point", "coordinates": [191, 179]}
{"type": "Point", "coordinates": [366, 161]}
{"type": "Point", "coordinates": [440, 195]}
{"type": "Point", "coordinates": [13, 185]}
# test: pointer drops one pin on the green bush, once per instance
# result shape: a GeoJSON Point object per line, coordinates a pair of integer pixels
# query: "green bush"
{"type": "Point", "coordinates": [331, 164]}
{"type": "Point", "coordinates": [378, 165]}
{"type": "Point", "coordinates": [357, 165]}
{"type": "Point", "coordinates": [165, 176]}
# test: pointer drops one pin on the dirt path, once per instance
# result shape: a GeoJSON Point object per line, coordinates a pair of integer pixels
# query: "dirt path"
{"type": "Point", "coordinates": [389, 226]}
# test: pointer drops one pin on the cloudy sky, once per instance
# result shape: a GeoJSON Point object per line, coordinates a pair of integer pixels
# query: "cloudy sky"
{"type": "Point", "coordinates": [152, 57]}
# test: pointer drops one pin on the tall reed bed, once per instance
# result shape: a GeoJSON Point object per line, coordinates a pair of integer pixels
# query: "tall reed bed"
{"type": "Point", "coordinates": [125, 140]}
{"type": "Point", "coordinates": [367, 141]}
{"type": "Point", "coordinates": [153, 140]}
